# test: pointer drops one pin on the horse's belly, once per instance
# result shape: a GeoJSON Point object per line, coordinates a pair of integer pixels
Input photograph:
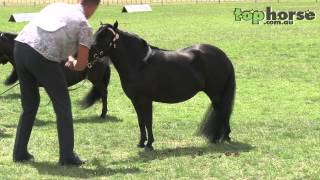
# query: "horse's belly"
{"type": "Point", "coordinates": [73, 77]}
{"type": "Point", "coordinates": [174, 86]}
{"type": "Point", "coordinates": [175, 93]}
{"type": "Point", "coordinates": [173, 99]}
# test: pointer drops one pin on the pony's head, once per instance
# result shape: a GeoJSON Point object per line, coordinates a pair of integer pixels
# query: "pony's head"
{"type": "Point", "coordinates": [6, 47]}
{"type": "Point", "coordinates": [109, 38]}
{"type": "Point", "coordinates": [105, 39]}
{"type": "Point", "coordinates": [3, 56]}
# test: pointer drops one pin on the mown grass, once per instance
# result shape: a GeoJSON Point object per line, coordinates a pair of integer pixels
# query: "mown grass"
{"type": "Point", "coordinates": [275, 124]}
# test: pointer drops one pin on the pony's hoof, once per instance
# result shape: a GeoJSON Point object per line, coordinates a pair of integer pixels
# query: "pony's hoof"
{"type": "Point", "coordinates": [27, 157]}
{"type": "Point", "coordinates": [214, 140]}
{"type": "Point", "coordinates": [103, 117]}
{"type": "Point", "coordinates": [226, 139]}
{"type": "Point", "coordinates": [141, 145]}
{"type": "Point", "coordinates": [148, 148]}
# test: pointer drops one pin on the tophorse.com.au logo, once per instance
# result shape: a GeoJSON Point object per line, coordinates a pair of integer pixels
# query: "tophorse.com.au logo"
{"type": "Point", "coordinates": [273, 17]}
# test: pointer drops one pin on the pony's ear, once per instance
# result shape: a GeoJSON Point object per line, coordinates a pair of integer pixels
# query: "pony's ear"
{"type": "Point", "coordinates": [2, 36]}
{"type": "Point", "coordinates": [115, 25]}
{"type": "Point", "coordinates": [144, 42]}
{"type": "Point", "coordinates": [101, 23]}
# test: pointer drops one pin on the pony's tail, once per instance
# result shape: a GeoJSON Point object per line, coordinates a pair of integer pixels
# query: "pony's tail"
{"type": "Point", "coordinates": [90, 98]}
{"type": "Point", "coordinates": [11, 79]}
{"type": "Point", "coordinates": [215, 124]}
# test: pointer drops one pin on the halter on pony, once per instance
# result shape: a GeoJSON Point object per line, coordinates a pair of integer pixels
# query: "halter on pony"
{"type": "Point", "coordinates": [113, 45]}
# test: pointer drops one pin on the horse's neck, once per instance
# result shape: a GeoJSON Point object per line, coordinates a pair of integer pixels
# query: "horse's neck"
{"type": "Point", "coordinates": [10, 43]}
{"type": "Point", "coordinates": [125, 65]}
{"type": "Point", "coordinates": [121, 67]}
{"type": "Point", "coordinates": [11, 36]}
{"type": "Point", "coordinates": [124, 58]}
{"type": "Point", "coordinates": [7, 48]}
{"type": "Point", "coordinates": [9, 51]}
{"type": "Point", "coordinates": [157, 48]}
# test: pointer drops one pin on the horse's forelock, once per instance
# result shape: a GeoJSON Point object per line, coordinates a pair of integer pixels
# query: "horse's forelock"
{"type": "Point", "coordinates": [103, 28]}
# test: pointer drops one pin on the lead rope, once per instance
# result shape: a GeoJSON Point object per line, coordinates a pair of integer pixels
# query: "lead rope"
{"type": "Point", "coordinates": [83, 82]}
{"type": "Point", "coordinates": [9, 89]}
{"type": "Point", "coordinates": [15, 86]}
{"type": "Point", "coordinates": [90, 65]}
{"type": "Point", "coordinates": [82, 85]}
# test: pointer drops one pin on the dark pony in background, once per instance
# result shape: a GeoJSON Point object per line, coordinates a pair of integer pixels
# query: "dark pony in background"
{"type": "Point", "coordinates": [98, 73]}
{"type": "Point", "coordinates": [6, 55]}
{"type": "Point", "coordinates": [150, 74]}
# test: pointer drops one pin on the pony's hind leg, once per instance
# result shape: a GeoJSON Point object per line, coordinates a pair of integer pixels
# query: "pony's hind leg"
{"type": "Point", "coordinates": [144, 111]}
{"type": "Point", "coordinates": [104, 105]}
{"type": "Point", "coordinates": [98, 91]}
{"type": "Point", "coordinates": [222, 129]}
{"type": "Point", "coordinates": [209, 125]}
{"type": "Point", "coordinates": [103, 93]}
{"type": "Point", "coordinates": [99, 76]}
{"type": "Point", "coordinates": [216, 124]}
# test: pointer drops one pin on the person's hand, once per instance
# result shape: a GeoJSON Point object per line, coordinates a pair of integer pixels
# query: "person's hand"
{"type": "Point", "coordinates": [81, 62]}
{"type": "Point", "coordinates": [70, 63]}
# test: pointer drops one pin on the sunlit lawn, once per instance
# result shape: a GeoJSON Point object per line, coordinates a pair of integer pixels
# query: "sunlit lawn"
{"type": "Point", "coordinates": [275, 124]}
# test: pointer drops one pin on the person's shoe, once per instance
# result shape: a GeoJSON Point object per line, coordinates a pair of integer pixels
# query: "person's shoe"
{"type": "Point", "coordinates": [23, 158]}
{"type": "Point", "coordinates": [74, 160]}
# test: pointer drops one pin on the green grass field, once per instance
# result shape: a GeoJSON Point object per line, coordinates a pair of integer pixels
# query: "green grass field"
{"type": "Point", "coordinates": [275, 124]}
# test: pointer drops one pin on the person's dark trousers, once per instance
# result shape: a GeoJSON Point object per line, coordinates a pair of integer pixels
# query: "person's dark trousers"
{"type": "Point", "coordinates": [33, 68]}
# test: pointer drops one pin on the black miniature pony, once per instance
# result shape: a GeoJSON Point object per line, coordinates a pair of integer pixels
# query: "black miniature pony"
{"type": "Point", "coordinates": [150, 74]}
{"type": "Point", "coordinates": [97, 72]}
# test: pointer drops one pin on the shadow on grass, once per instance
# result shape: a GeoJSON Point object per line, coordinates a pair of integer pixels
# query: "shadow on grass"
{"type": "Point", "coordinates": [228, 149]}
{"type": "Point", "coordinates": [4, 135]}
{"type": "Point", "coordinates": [91, 119]}
{"type": "Point", "coordinates": [9, 126]}
{"type": "Point", "coordinates": [96, 119]}
{"type": "Point", "coordinates": [53, 169]}
{"type": "Point", "coordinates": [10, 96]}
{"type": "Point", "coordinates": [84, 120]}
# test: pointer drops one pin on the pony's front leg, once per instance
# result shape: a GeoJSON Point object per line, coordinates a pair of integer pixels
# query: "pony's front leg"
{"type": "Point", "coordinates": [143, 108]}
{"type": "Point", "coordinates": [148, 123]}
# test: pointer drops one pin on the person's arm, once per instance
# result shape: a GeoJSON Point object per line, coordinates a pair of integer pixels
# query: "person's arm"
{"type": "Point", "coordinates": [81, 62]}
{"type": "Point", "coordinates": [85, 42]}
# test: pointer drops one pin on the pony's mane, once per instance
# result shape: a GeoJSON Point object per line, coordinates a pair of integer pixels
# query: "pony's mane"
{"type": "Point", "coordinates": [137, 36]}
{"type": "Point", "coordinates": [157, 48]}
{"type": "Point", "coordinates": [132, 35]}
